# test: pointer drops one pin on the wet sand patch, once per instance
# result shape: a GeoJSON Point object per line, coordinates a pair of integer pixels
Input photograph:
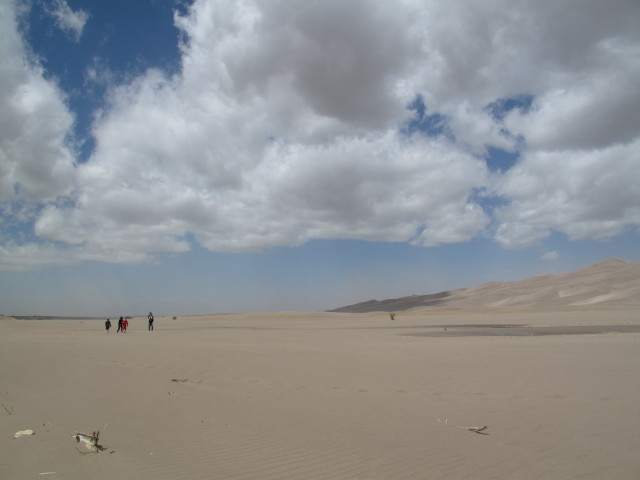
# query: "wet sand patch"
{"type": "Point", "coordinates": [510, 330]}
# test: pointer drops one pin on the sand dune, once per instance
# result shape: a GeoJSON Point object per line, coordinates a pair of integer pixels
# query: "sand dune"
{"type": "Point", "coordinates": [610, 282]}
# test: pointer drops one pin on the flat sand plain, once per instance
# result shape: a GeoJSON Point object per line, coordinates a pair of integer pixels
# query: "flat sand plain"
{"type": "Point", "coordinates": [325, 396]}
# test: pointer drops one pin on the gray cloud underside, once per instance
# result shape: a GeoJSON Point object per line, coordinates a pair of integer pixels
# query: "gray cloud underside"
{"type": "Point", "coordinates": [287, 122]}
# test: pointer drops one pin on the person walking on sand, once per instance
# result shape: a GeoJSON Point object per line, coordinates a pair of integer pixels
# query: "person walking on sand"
{"type": "Point", "coordinates": [107, 325]}
{"type": "Point", "coordinates": [120, 322]}
{"type": "Point", "coordinates": [125, 324]}
{"type": "Point", "coordinates": [150, 322]}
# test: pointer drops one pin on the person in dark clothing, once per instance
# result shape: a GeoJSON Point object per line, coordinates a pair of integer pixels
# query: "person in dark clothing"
{"type": "Point", "coordinates": [150, 322]}
{"type": "Point", "coordinates": [120, 324]}
{"type": "Point", "coordinates": [107, 325]}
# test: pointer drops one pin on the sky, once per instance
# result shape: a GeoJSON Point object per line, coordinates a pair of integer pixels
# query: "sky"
{"type": "Point", "coordinates": [215, 156]}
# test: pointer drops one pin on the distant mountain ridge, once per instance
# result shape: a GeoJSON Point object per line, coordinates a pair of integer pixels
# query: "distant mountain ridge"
{"type": "Point", "coordinates": [609, 282]}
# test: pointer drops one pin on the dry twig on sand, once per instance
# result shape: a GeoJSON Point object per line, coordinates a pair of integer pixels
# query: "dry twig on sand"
{"type": "Point", "coordinates": [477, 429]}
{"type": "Point", "coordinates": [90, 441]}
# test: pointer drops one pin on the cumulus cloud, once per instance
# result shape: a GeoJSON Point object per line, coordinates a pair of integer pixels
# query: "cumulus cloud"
{"type": "Point", "coordinates": [70, 21]}
{"type": "Point", "coordinates": [288, 122]}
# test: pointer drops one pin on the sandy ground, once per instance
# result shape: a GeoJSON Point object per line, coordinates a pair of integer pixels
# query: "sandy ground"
{"type": "Point", "coordinates": [323, 396]}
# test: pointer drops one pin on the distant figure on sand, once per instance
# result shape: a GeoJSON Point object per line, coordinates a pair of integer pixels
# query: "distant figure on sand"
{"type": "Point", "coordinates": [125, 324]}
{"type": "Point", "coordinates": [120, 321]}
{"type": "Point", "coordinates": [107, 325]}
{"type": "Point", "coordinates": [150, 321]}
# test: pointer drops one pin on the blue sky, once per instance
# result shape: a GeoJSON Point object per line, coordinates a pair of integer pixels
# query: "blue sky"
{"type": "Point", "coordinates": [215, 156]}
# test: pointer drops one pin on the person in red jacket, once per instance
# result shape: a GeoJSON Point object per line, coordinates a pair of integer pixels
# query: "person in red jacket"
{"type": "Point", "coordinates": [125, 324]}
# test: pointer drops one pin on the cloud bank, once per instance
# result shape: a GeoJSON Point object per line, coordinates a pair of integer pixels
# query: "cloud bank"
{"type": "Point", "coordinates": [292, 121]}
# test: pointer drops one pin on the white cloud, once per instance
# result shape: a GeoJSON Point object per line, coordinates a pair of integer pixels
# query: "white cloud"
{"type": "Point", "coordinates": [552, 255]}
{"type": "Point", "coordinates": [70, 21]}
{"type": "Point", "coordinates": [36, 163]}
{"type": "Point", "coordinates": [584, 194]}
{"type": "Point", "coordinates": [285, 124]}
{"type": "Point", "coordinates": [594, 113]}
